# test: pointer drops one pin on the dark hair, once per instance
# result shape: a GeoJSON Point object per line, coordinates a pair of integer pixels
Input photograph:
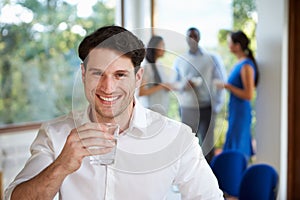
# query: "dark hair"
{"type": "Point", "coordinates": [115, 38]}
{"type": "Point", "coordinates": [241, 38]}
{"type": "Point", "coordinates": [194, 29]}
{"type": "Point", "coordinates": [152, 48]}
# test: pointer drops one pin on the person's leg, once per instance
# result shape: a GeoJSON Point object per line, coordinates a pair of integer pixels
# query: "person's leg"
{"type": "Point", "coordinates": [209, 142]}
{"type": "Point", "coordinates": [206, 132]}
{"type": "Point", "coordinates": [190, 117]}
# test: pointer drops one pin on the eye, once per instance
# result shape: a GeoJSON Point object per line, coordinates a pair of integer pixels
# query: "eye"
{"type": "Point", "coordinates": [97, 73]}
{"type": "Point", "coordinates": [120, 75]}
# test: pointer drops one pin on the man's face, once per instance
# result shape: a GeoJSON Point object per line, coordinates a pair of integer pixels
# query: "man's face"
{"type": "Point", "coordinates": [109, 83]}
{"type": "Point", "coordinates": [192, 40]}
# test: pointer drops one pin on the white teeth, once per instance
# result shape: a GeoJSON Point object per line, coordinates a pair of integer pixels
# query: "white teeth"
{"type": "Point", "coordinates": [108, 99]}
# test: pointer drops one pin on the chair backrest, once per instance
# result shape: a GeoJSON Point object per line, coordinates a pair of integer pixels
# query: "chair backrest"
{"type": "Point", "coordinates": [229, 167]}
{"type": "Point", "coordinates": [260, 182]}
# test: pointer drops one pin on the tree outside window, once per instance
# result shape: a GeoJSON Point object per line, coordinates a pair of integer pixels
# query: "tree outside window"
{"type": "Point", "coordinates": [38, 48]}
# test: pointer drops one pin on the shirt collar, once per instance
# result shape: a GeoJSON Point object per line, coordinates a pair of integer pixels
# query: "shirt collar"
{"type": "Point", "coordinates": [199, 51]}
{"type": "Point", "coordinates": [138, 121]}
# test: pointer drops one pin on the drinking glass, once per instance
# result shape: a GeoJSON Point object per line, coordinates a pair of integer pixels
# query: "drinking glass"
{"type": "Point", "coordinates": [108, 158]}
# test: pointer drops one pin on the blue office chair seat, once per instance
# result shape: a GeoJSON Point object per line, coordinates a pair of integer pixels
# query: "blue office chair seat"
{"type": "Point", "coordinates": [229, 167]}
{"type": "Point", "coordinates": [259, 182]}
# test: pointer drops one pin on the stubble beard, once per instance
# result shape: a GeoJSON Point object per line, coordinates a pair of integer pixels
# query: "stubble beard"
{"type": "Point", "coordinates": [115, 112]}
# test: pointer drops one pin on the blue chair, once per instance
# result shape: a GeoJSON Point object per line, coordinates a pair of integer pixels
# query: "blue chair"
{"type": "Point", "coordinates": [229, 167]}
{"type": "Point", "coordinates": [260, 182]}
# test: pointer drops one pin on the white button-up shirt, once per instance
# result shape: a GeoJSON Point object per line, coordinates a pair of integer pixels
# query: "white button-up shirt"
{"type": "Point", "coordinates": [152, 154]}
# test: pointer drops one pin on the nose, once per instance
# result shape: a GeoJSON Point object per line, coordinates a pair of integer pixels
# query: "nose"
{"type": "Point", "coordinates": [107, 84]}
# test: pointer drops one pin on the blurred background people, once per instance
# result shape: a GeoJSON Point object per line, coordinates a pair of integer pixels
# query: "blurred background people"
{"type": "Point", "coordinates": [153, 92]}
{"type": "Point", "coordinates": [196, 71]}
{"type": "Point", "coordinates": [241, 84]}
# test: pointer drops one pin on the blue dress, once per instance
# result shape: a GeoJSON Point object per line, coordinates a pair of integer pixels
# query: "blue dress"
{"type": "Point", "coordinates": [238, 136]}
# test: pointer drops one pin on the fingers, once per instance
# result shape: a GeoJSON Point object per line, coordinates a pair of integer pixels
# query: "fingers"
{"type": "Point", "coordinates": [93, 130]}
{"type": "Point", "coordinates": [93, 135]}
{"type": "Point", "coordinates": [99, 151]}
{"type": "Point", "coordinates": [86, 140]}
{"type": "Point", "coordinates": [98, 142]}
{"type": "Point", "coordinates": [72, 153]}
{"type": "Point", "coordinates": [219, 84]}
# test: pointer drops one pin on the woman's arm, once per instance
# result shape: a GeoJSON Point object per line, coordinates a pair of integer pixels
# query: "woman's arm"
{"type": "Point", "coordinates": [144, 91]}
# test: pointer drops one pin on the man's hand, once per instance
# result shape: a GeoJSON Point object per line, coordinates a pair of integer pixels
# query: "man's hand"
{"type": "Point", "coordinates": [47, 183]}
{"type": "Point", "coordinates": [78, 145]}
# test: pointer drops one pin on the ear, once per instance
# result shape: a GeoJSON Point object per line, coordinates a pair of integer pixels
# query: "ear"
{"type": "Point", "coordinates": [139, 77]}
{"type": "Point", "coordinates": [82, 72]}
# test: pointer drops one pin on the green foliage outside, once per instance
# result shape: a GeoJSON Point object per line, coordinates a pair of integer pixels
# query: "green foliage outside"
{"type": "Point", "coordinates": [39, 58]}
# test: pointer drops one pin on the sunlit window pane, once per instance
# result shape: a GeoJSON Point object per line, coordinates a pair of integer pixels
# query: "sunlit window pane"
{"type": "Point", "coordinates": [38, 54]}
{"type": "Point", "coordinates": [208, 17]}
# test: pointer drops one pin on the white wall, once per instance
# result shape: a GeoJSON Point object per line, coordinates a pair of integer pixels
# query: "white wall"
{"type": "Point", "coordinates": [14, 151]}
{"type": "Point", "coordinates": [271, 105]}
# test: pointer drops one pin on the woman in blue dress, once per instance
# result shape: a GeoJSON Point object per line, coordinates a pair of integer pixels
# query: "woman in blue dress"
{"type": "Point", "coordinates": [241, 84]}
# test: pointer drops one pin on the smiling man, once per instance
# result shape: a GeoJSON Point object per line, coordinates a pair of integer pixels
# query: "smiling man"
{"type": "Point", "coordinates": [153, 152]}
{"type": "Point", "coordinates": [110, 82]}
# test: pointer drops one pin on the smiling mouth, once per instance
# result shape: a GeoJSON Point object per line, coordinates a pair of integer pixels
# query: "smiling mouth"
{"type": "Point", "coordinates": [110, 99]}
{"type": "Point", "coordinates": [107, 100]}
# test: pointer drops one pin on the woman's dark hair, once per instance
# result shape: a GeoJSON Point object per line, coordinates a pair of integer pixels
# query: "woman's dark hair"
{"type": "Point", "coordinates": [152, 48]}
{"type": "Point", "coordinates": [241, 38]}
{"type": "Point", "coordinates": [115, 38]}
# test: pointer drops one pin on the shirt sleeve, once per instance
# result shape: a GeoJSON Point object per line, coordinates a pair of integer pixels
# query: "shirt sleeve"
{"type": "Point", "coordinates": [219, 73]}
{"type": "Point", "coordinates": [179, 80]}
{"type": "Point", "coordinates": [41, 156]}
{"type": "Point", "coordinates": [176, 69]}
{"type": "Point", "coordinates": [195, 178]}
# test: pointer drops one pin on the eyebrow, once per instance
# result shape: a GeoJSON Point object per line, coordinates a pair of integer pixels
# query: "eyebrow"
{"type": "Point", "coordinates": [117, 71]}
{"type": "Point", "coordinates": [94, 69]}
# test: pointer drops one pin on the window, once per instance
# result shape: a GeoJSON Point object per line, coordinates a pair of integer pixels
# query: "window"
{"type": "Point", "coordinates": [38, 48]}
{"type": "Point", "coordinates": [213, 19]}
{"type": "Point", "coordinates": [208, 17]}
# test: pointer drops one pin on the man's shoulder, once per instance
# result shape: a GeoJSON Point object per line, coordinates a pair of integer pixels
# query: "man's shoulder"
{"type": "Point", "coordinates": [153, 116]}
{"type": "Point", "coordinates": [69, 119]}
{"type": "Point", "coordinates": [182, 56]}
{"type": "Point", "coordinates": [182, 59]}
{"type": "Point", "coordinates": [174, 125]}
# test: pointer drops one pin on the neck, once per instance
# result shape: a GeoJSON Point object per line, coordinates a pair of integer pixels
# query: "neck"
{"type": "Point", "coordinates": [193, 51]}
{"type": "Point", "coordinates": [241, 55]}
{"type": "Point", "coordinates": [123, 119]}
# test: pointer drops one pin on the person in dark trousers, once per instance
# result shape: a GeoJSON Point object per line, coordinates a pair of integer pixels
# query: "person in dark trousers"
{"type": "Point", "coordinates": [199, 100]}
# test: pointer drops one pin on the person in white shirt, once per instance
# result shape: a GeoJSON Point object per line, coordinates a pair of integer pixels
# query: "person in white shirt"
{"type": "Point", "coordinates": [153, 152]}
{"type": "Point", "coordinates": [199, 99]}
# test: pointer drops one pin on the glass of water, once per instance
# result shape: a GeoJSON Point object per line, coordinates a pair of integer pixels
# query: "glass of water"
{"type": "Point", "coordinates": [108, 158]}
